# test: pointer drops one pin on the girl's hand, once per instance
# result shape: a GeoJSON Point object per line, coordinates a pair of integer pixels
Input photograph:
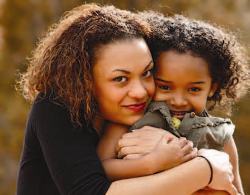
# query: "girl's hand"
{"type": "Point", "coordinates": [222, 170]}
{"type": "Point", "coordinates": [141, 142]}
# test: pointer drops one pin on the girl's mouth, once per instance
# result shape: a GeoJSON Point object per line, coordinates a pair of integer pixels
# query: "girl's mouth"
{"type": "Point", "coordinates": [178, 114]}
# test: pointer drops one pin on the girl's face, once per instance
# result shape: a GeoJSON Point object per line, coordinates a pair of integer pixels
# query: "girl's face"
{"type": "Point", "coordinates": [184, 82]}
{"type": "Point", "coordinates": [123, 81]}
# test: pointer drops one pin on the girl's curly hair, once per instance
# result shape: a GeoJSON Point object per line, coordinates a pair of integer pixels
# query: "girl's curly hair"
{"type": "Point", "coordinates": [227, 58]}
{"type": "Point", "coordinates": [62, 62]}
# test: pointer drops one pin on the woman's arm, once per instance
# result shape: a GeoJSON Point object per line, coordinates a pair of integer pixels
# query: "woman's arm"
{"type": "Point", "coordinates": [68, 151]}
{"type": "Point", "coordinates": [167, 155]}
{"type": "Point", "coordinates": [231, 149]}
{"type": "Point", "coordinates": [176, 180]}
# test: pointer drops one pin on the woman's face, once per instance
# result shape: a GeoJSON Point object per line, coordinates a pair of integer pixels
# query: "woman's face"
{"type": "Point", "coordinates": [123, 80]}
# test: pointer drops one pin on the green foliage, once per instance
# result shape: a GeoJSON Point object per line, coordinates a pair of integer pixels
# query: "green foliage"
{"type": "Point", "coordinates": [22, 22]}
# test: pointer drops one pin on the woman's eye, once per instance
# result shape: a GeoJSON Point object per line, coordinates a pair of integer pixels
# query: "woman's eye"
{"type": "Point", "coordinates": [164, 87]}
{"type": "Point", "coordinates": [194, 89]}
{"type": "Point", "coordinates": [120, 79]}
{"type": "Point", "coordinates": [148, 73]}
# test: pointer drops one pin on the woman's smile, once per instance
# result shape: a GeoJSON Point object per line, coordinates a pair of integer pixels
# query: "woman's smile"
{"type": "Point", "coordinates": [140, 107]}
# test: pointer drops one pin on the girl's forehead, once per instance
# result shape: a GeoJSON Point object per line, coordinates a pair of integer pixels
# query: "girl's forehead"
{"type": "Point", "coordinates": [174, 64]}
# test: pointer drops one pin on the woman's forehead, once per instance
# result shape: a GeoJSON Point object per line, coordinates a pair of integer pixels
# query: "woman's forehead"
{"type": "Point", "coordinates": [123, 55]}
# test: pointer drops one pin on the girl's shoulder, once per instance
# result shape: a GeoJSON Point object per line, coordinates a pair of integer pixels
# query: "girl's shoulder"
{"type": "Point", "coordinates": [208, 131]}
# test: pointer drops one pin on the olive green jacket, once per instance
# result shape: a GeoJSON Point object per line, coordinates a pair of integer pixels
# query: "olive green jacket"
{"type": "Point", "coordinates": [204, 131]}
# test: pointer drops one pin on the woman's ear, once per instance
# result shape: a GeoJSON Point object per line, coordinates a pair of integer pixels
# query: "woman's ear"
{"type": "Point", "coordinates": [213, 89]}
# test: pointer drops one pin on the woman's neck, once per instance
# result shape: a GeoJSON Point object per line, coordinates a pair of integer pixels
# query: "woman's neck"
{"type": "Point", "coordinates": [99, 124]}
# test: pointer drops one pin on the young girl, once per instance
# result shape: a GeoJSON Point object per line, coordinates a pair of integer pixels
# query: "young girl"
{"type": "Point", "coordinates": [198, 66]}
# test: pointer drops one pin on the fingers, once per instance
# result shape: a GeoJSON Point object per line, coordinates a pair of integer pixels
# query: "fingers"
{"type": "Point", "coordinates": [147, 131]}
{"type": "Point", "coordinates": [190, 155]}
{"type": "Point", "coordinates": [124, 151]}
{"type": "Point", "coordinates": [185, 143]}
{"type": "Point", "coordinates": [146, 138]}
{"type": "Point", "coordinates": [128, 141]}
{"type": "Point", "coordinates": [168, 139]}
{"type": "Point", "coordinates": [132, 156]}
{"type": "Point", "coordinates": [188, 147]}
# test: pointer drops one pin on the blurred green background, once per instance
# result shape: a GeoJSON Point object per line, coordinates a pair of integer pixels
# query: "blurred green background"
{"type": "Point", "coordinates": [22, 22]}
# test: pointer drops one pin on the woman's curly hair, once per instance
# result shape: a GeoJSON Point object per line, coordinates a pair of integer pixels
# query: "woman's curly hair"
{"type": "Point", "coordinates": [227, 58]}
{"type": "Point", "coordinates": [62, 62]}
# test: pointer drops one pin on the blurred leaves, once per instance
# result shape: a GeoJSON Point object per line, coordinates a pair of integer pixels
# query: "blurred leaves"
{"type": "Point", "coordinates": [22, 22]}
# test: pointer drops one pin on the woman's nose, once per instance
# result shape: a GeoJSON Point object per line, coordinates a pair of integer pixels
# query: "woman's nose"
{"type": "Point", "coordinates": [138, 90]}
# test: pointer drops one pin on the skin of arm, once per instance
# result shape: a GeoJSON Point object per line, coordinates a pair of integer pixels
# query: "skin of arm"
{"type": "Point", "coordinates": [231, 149]}
{"type": "Point", "coordinates": [170, 181]}
{"type": "Point", "coordinates": [119, 168]}
{"type": "Point", "coordinates": [171, 154]}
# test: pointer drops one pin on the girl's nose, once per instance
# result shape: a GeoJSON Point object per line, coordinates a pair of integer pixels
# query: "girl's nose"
{"type": "Point", "coordinates": [178, 100]}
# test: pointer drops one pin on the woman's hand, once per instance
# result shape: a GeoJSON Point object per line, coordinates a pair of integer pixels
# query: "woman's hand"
{"type": "Point", "coordinates": [222, 170]}
{"type": "Point", "coordinates": [168, 154]}
{"type": "Point", "coordinates": [141, 142]}
{"type": "Point", "coordinates": [162, 149]}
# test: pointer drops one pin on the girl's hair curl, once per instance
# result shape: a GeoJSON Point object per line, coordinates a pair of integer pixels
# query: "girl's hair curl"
{"type": "Point", "coordinates": [227, 58]}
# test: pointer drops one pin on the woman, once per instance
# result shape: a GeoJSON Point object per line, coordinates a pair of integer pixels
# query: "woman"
{"type": "Point", "coordinates": [70, 108]}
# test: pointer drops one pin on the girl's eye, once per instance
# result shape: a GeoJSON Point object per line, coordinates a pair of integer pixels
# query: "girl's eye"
{"type": "Point", "coordinates": [148, 73]}
{"type": "Point", "coordinates": [164, 87]}
{"type": "Point", "coordinates": [194, 89]}
{"type": "Point", "coordinates": [120, 79]}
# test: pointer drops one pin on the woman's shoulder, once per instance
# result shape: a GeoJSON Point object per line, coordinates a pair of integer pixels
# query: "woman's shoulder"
{"type": "Point", "coordinates": [47, 108]}
{"type": "Point", "coordinates": [48, 103]}
{"type": "Point", "coordinates": [47, 113]}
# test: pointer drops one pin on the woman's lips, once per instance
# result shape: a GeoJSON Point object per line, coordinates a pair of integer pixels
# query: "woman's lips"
{"type": "Point", "coordinates": [137, 107]}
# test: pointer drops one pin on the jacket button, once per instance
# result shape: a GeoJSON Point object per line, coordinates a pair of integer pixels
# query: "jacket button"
{"type": "Point", "coordinates": [192, 114]}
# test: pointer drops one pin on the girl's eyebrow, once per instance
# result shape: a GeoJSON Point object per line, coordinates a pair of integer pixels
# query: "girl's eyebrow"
{"type": "Point", "coordinates": [166, 81]}
{"type": "Point", "coordinates": [127, 72]}
{"type": "Point", "coordinates": [198, 82]}
{"type": "Point", "coordinates": [162, 80]}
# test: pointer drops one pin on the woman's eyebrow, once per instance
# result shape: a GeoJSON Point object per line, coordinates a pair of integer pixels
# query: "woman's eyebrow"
{"type": "Point", "coordinates": [121, 70]}
{"type": "Point", "coordinates": [149, 65]}
{"type": "Point", "coordinates": [127, 72]}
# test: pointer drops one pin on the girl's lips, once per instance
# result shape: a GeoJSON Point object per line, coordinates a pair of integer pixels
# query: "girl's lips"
{"type": "Point", "coordinates": [137, 107]}
{"type": "Point", "coordinates": [178, 114]}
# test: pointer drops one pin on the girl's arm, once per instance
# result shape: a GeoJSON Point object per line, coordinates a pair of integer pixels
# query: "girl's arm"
{"type": "Point", "coordinates": [119, 168]}
{"type": "Point", "coordinates": [166, 156]}
{"type": "Point", "coordinates": [231, 149]}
